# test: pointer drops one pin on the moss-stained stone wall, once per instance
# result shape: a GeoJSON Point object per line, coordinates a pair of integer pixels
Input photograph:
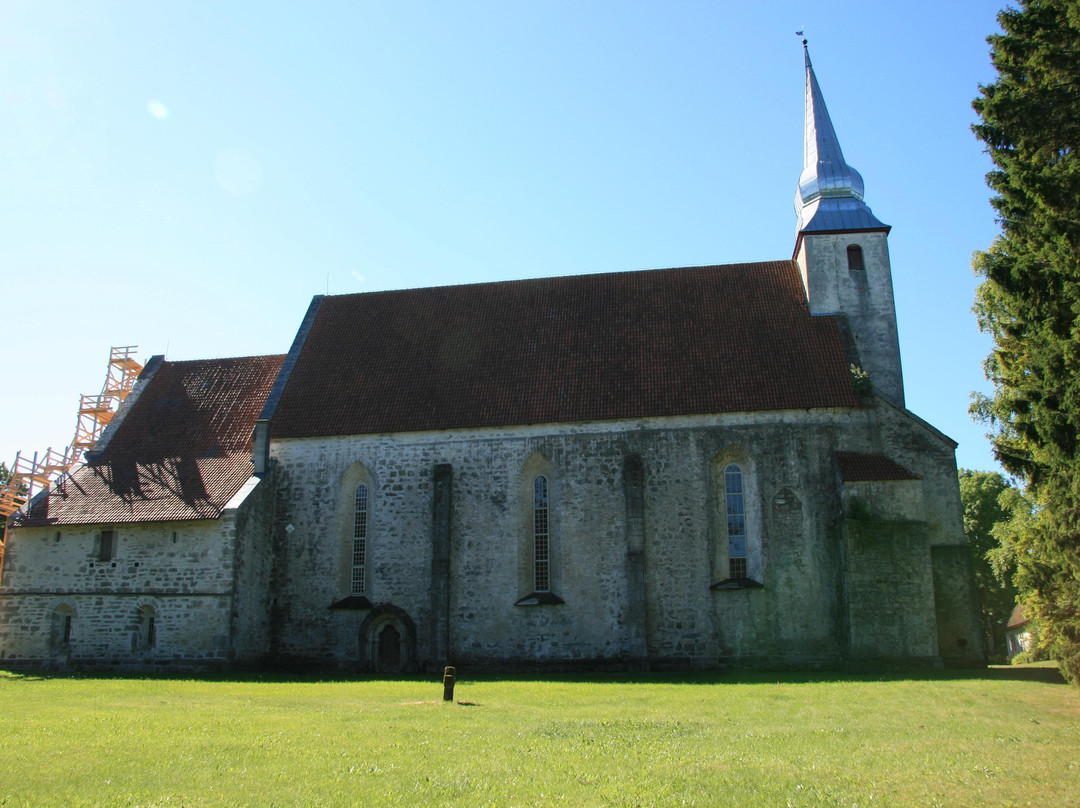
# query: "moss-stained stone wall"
{"type": "Point", "coordinates": [610, 570]}
{"type": "Point", "coordinates": [888, 580]}
{"type": "Point", "coordinates": [253, 562]}
{"type": "Point", "coordinates": [186, 575]}
{"type": "Point", "coordinates": [638, 536]}
{"type": "Point", "coordinates": [955, 603]}
{"type": "Point", "coordinates": [890, 592]}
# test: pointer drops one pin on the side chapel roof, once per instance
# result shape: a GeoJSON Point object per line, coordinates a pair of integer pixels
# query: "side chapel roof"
{"type": "Point", "coordinates": [181, 450]}
{"type": "Point", "coordinates": [609, 346]}
{"type": "Point", "coordinates": [857, 467]}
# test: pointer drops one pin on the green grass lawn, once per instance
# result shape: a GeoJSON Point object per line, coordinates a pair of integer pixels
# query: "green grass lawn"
{"type": "Point", "coordinates": [1009, 737]}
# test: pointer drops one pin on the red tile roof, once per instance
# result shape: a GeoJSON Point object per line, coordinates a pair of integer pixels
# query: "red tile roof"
{"type": "Point", "coordinates": [591, 347]}
{"type": "Point", "coordinates": [856, 467]}
{"type": "Point", "coordinates": [181, 452]}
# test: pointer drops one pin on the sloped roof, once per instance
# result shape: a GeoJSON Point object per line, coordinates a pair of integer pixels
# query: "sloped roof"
{"type": "Point", "coordinates": [685, 341]}
{"type": "Point", "coordinates": [858, 467]}
{"type": "Point", "coordinates": [182, 450]}
{"type": "Point", "coordinates": [1017, 618]}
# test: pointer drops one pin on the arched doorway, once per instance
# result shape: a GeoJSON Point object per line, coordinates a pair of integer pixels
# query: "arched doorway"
{"type": "Point", "coordinates": [387, 641]}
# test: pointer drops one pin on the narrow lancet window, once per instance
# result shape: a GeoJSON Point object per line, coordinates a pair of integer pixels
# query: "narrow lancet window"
{"type": "Point", "coordinates": [541, 536]}
{"type": "Point", "coordinates": [736, 522]}
{"type": "Point", "coordinates": [360, 535]}
{"type": "Point", "coordinates": [62, 618]}
{"type": "Point", "coordinates": [147, 627]}
{"type": "Point", "coordinates": [855, 258]}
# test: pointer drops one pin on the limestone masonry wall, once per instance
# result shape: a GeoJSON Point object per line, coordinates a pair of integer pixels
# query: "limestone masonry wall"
{"type": "Point", "coordinates": [179, 573]}
{"type": "Point", "coordinates": [798, 614]}
{"type": "Point", "coordinates": [639, 574]}
{"type": "Point", "coordinates": [253, 564]}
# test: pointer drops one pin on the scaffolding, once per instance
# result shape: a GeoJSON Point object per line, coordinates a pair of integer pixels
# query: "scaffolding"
{"type": "Point", "coordinates": [29, 476]}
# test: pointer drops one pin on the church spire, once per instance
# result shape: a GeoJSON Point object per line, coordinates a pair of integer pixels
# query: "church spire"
{"type": "Point", "coordinates": [830, 192]}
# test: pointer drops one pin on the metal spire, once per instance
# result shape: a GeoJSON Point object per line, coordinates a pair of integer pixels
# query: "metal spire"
{"type": "Point", "coordinates": [830, 192]}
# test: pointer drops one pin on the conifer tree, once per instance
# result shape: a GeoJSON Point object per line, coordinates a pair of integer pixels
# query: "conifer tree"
{"type": "Point", "coordinates": [1029, 302]}
{"type": "Point", "coordinates": [985, 509]}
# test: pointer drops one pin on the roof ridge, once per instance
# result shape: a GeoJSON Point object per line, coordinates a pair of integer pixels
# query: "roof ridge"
{"type": "Point", "coordinates": [559, 278]}
{"type": "Point", "coordinates": [221, 359]}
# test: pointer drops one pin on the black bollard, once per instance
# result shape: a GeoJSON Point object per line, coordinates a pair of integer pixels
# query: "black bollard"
{"type": "Point", "coordinates": [448, 684]}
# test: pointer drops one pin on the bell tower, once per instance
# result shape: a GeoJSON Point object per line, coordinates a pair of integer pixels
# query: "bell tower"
{"type": "Point", "coordinates": [842, 249]}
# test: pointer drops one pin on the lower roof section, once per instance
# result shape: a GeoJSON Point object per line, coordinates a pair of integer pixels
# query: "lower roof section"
{"type": "Point", "coordinates": [182, 451]}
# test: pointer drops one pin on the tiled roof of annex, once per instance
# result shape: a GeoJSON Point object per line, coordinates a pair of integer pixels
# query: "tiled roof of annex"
{"type": "Point", "coordinates": [697, 340]}
{"type": "Point", "coordinates": [182, 450]}
{"type": "Point", "coordinates": [858, 467]}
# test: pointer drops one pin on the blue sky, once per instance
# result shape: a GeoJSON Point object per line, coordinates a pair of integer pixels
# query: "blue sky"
{"type": "Point", "coordinates": [184, 176]}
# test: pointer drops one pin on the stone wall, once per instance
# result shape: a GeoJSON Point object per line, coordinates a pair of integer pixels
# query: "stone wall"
{"type": "Point", "coordinates": [179, 573]}
{"type": "Point", "coordinates": [960, 641]}
{"type": "Point", "coordinates": [797, 616]}
{"type": "Point", "coordinates": [638, 536]}
{"type": "Point", "coordinates": [890, 590]}
{"type": "Point", "coordinates": [252, 512]}
{"type": "Point", "coordinates": [922, 449]}
{"type": "Point", "coordinates": [888, 579]}
{"type": "Point", "coordinates": [865, 297]}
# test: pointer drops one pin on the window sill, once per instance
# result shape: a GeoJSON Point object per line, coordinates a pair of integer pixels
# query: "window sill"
{"type": "Point", "coordinates": [540, 599]}
{"type": "Point", "coordinates": [737, 583]}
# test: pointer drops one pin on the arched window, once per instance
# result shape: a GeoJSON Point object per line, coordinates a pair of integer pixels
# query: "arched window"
{"type": "Point", "coordinates": [736, 522]}
{"type": "Point", "coordinates": [359, 541]}
{"type": "Point", "coordinates": [538, 494]}
{"type": "Point", "coordinates": [855, 258]}
{"type": "Point", "coordinates": [541, 536]}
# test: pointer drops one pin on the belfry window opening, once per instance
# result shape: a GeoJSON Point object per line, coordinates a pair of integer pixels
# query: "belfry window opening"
{"type": "Point", "coordinates": [855, 258]}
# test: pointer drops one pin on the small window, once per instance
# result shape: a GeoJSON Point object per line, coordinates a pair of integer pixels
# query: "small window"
{"type": "Point", "coordinates": [146, 635]}
{"type": "Point", "coordinates": [62, 619]}
{"type": "Point", "coordinates": [147, 627]}
{"type": "Point", "coordinates": [541, 537]}
{"type": "Point", "coordinates": [855, 258]}
{"type": "Point", "coordinates": [108, 545]}
{"type": "Point", "coordinates": [360, 535]}
{"type": "Point", "coordinates": [736, 522]}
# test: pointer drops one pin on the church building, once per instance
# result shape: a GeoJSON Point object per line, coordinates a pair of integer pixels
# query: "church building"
{"type": "Point", "coordinates": [676, 468]}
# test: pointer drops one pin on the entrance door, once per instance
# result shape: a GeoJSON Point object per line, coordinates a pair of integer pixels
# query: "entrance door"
{"type": "Point", "coordinates": [389, 650]}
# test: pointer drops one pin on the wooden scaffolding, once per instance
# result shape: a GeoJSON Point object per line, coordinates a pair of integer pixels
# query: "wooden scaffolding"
{"type": "Point", "coordinates": [30, 475]}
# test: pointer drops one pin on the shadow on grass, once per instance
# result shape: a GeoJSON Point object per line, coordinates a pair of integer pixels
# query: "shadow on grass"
{"type": "Point", "coordinates": [1026, 673]}
{"type": "Point", "coordinates": [1046, 673]}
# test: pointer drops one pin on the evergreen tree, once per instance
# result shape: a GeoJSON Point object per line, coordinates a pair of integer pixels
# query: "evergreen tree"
{"type": "Point", "coordinates": [989, 501]}
{"type": "Point", "coordinates": [1029, 302]}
